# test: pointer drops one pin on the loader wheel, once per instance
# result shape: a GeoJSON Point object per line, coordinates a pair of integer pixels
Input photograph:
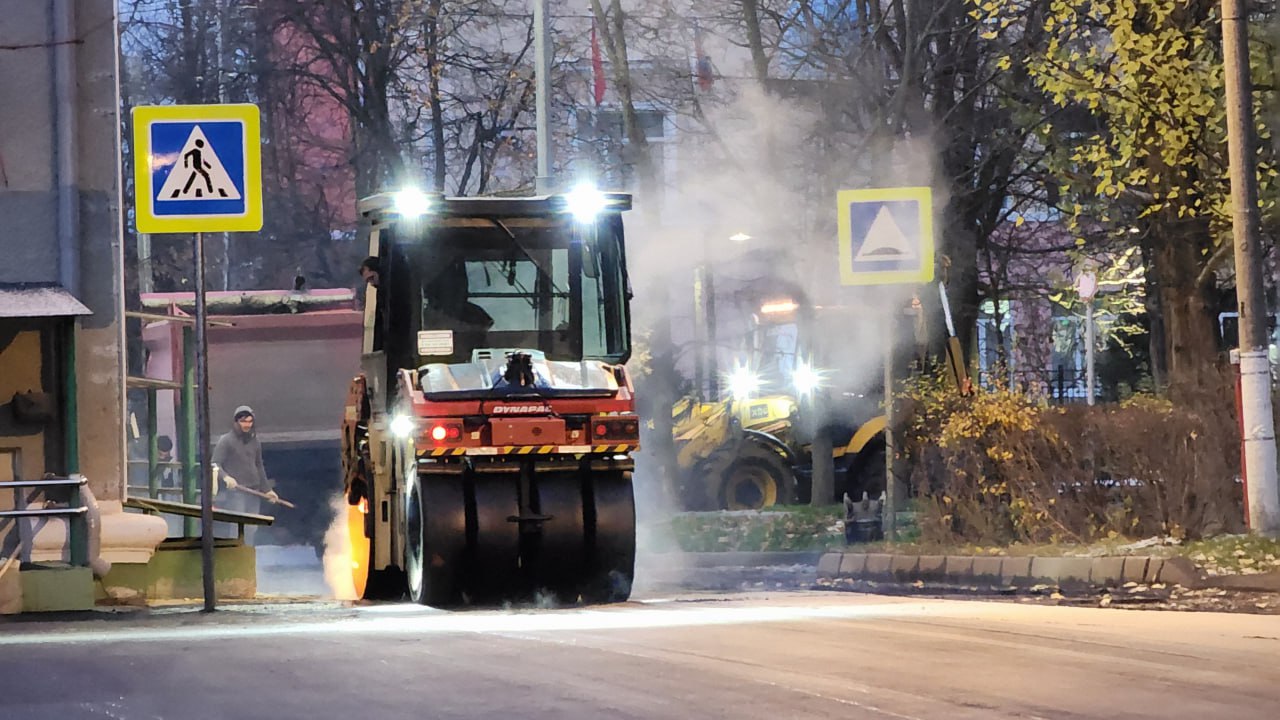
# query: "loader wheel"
{"type": "Point", "coordinates": [610, 513]}
{"type": "Point", "coordinates": [436, 535]}
{"type": "Point", "coordinates": [757, 481]}
{"type": "Point", "coordinates": [560, 557]}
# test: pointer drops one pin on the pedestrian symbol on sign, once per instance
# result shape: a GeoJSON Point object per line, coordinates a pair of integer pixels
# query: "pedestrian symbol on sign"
{"type": "Point", "coordinates": [200, 175]}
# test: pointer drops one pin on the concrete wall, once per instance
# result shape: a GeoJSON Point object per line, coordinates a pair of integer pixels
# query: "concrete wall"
{"type": "Point", "coordinates": [68, 150]}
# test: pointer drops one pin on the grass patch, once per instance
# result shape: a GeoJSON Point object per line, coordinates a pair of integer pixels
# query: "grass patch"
{"type": "Point", "coordinates": [798, 528]}
{"type": "Point", "coordinates": [1234, 554]}
{"type": "Point", "coordinates": [804, 528]}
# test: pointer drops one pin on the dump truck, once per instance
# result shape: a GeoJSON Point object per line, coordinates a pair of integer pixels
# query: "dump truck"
{"type": "Point", "coordinates": [488, 441]}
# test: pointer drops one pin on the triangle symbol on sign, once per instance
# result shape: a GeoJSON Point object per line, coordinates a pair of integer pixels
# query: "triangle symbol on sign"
{"type": "Point", "coordinates": [885, 240]}
{"type": "Point", "coordinates": [198, 174]}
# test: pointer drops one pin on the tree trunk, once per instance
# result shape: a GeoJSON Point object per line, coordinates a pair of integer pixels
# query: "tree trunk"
{"type": "Point", "coordinates": [661, 390]}
{"type": "Point", "coordinates": [1157, 337]}
{"type": "Point", "coordinates": [434, 69]}
{"type": "Point", "coordinates": [755, 39]}
{"type": "Point", "coordinates": [1190, 343]}
{"type": "Point", "coordinates": [612, 27]}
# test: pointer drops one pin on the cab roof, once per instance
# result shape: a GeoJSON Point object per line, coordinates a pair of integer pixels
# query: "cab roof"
{"type": "Point", "coordinates": [379, 207]}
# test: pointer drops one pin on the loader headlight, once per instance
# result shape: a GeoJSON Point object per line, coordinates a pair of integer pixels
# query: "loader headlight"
{"type": "Point", "coordinates": [743, 383]}
{"type": "Point", "coordinates": [780, 306]}
{"type": "Point", "coordinates": [402, 426]}
{"type": "Point", "coordinates": [411, 202]}
{"type": "Point", "coordinates": [806, 379]}
{"type": "Point", "coordinates": [584, 202]}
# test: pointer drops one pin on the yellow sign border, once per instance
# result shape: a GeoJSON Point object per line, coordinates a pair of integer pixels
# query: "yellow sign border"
{"type": "Point", "coordinates": [923, 196]}
{"type": "Point", "coordinates": [144, 218]}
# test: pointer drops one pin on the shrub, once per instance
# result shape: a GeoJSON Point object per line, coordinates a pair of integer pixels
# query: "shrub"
{"type": "Point", "coordinates": [1003, 467]}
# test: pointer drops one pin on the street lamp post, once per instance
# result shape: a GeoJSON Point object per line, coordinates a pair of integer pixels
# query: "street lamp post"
{"type": "Point", "coordinates": [542, 94]}
{"type": "Point", "coordinates": [1087, 287]}
{"type": "Point", "coordinates": [706, 365]}
{"type": "Point", "coordinates": [713, 364]}
{"type": "Point", "coordinates": [706, 339]}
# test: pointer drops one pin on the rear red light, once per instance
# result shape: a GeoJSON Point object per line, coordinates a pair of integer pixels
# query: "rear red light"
{"type": "Point", "coordinates": [445, 432]}
{"type": "Point", "coordinates": [616, 429]}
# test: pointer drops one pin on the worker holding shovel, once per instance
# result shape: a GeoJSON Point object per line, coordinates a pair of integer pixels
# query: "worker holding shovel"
{"type": "Point", "coordinates": [238, 459]}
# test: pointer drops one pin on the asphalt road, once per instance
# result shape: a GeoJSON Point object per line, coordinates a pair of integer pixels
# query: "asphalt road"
{"type": "Point", "coordinates": [697, 655]}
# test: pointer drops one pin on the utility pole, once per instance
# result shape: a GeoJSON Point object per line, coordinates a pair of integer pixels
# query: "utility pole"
{"type": "Point", "coordinates": [699, 334]}
{"type": "Point", "coordinates": [1262, 490]}
{"type": "Point", "coordinates": [542, 94]}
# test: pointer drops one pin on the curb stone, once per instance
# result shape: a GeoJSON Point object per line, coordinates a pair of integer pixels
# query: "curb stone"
{"type": "Point", "coordinates": [986, 570]}
{"type": "Point", "coordinates": [1004, 571]}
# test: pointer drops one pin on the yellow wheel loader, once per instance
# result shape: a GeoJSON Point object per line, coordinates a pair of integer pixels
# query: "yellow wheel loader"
{"type": "Point", "coordinates": [752, 449]}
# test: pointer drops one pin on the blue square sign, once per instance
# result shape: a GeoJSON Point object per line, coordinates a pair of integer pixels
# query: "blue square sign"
{"type": "Point", "coordinates": [198, 168]}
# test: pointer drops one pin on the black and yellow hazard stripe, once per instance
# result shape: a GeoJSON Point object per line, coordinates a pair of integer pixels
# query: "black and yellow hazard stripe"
{"type": "Point", "coordinates": [529, 449]}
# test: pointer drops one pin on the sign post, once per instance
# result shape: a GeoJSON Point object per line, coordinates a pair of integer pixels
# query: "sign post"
{"type": "Point", "coordinates": [1087, 287]}
{"type": "Point", "coordinates": [197, 169]}
{"type": "Point", "coordinates": [886, 238]}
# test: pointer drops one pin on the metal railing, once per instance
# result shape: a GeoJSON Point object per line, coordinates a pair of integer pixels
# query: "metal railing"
{"type": "Point", "coordinates": [74, 509]}
{"type": "Point", "coordinates": [1058, 385]}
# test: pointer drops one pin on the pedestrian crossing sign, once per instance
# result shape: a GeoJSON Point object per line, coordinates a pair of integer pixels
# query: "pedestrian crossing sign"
{"type": "Point", "coordinates": [197, 168]}
{"type": "Point", "coordinates": [886, 236]}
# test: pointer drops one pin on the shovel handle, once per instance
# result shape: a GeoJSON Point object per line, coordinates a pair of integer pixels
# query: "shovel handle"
{"type": "Point", "coordinates": [277, 501]}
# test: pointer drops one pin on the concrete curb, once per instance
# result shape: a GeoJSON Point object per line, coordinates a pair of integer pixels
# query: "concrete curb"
{"type": "Point", "coordinates": [1109, 571]}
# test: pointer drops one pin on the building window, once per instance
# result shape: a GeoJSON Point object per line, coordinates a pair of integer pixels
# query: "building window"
{"type": "Point", "coordinates": [995, 343]}
{"type": "Point", "coordinates": [602, 138]}
{"type": "Point", "coordinates": [1067, 365]}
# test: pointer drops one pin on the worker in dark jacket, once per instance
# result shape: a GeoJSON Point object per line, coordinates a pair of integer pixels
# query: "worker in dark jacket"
{"type": "Point", "coordinates": [238, 459]}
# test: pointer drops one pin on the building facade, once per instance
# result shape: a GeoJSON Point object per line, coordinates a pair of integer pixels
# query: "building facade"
{"type": "Point", "coordinates": [60, 299]}
{"type": "Point", "coordinates": [61, 303]}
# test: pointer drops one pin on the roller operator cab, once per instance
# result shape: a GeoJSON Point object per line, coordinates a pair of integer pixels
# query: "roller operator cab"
{"type": "Point", "coordinates": [488, 442]}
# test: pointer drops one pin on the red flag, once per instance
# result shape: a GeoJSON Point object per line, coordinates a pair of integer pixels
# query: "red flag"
{"type": "Point", "coordinates": [597, 66]}
{"type": "Point", "coordinates": [703, 71]}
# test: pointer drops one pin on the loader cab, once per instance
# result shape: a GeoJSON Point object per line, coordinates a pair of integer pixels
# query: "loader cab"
{"type": "Point", "coordinates": [468, 278]}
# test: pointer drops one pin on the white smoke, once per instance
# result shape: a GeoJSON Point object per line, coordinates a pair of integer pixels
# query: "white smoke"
{"type": "Point", "coordinates": [337, 552]}
{"type": "Point", "coordinates": [767, 167]}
